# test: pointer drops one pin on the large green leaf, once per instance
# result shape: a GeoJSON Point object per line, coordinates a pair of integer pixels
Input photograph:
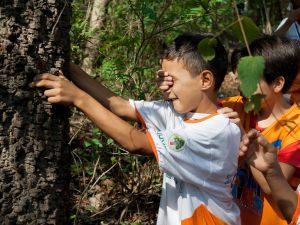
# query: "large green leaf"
{"type": "Point", "coordinates": [254, 103]}
{"type": "Point", "coordinates": [206, 48]}
{"type": "Point", "coordinates": [251, 30]}
{"type": "Point", "coordinates": [250, 70]}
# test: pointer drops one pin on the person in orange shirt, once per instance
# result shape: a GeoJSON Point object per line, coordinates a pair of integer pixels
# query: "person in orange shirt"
{"type": "Point", "coordinates": [289, 27]}
{"type": "Point", "coordinates": [277, 120]}
{"type": "Point", "coordinates": [262, 156]}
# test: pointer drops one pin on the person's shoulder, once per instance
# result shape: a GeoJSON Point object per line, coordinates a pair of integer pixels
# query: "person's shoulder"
{"type": "Point", "coordinates": [215, 125]}
{"type": "Point", "coordinates": [232, 100]}
{"type": "Point", "coordinates": [293, 113]}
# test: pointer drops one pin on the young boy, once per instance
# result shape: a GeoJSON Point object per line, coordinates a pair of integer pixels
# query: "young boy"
{"type": "Point", "coordinates": [263, 156]}
{"type": "Point", "coordinates": [277, 120]}
{"type": "Point", "coordinates": [196, 147]}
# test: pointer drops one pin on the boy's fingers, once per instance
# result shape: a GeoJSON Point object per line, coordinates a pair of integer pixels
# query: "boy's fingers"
{"type": "Point", "coordinates": [265, 144]}
{"type": "Point", "coordinates": [51, 92]}
{"type": "Point", "coordinates": [252, 134]}
{"type": "Point", "coordinates": [164, 87]}
{"type": "Point", "coordinates": [45, 83]}
{"type": "Point", "coordinates": [162, 73]}
{"type": "Point", "coordinates": [54, 99]}
{"type": "Point", "coordinates": [46, 76]}
{"type": "Point", "coordinates": [225, 110]}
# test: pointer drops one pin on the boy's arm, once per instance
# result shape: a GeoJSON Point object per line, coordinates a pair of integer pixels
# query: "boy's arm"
{"type": "Point", "coordinates": [287, 171]}
{"type": "Point", "coordinates": [108, 99]}
{"type": "Point", "coordinates": [292, 17]}
{"type": "Point", "coordinates": [135, 141]}
{"type": "Point", "coordinates": [61, 91]}
{"type": "Point", "coordinates": [262, 157]}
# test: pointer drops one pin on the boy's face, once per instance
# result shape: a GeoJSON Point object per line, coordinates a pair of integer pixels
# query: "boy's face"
{"type": "Point", "coordinates": [269, 95]}
{"type": "Point", "coordinates": [186, 91]}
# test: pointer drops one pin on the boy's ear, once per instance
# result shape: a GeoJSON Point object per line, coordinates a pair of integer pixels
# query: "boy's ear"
{"type": "Point", "coordinates": [278, 84]}
{"type": "Point", "coordinates": [207, 79]}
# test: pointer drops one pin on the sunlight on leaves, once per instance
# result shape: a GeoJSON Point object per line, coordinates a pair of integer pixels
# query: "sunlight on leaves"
{"type": "Point", "coordinates": [206, 48]}
{"type": "Point", "coordinates": [251, 30]}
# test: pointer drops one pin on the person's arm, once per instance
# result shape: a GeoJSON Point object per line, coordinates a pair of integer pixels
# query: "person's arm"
{"type": "Point", "coordinates": [283, 29]}
{"type": "Point", "coordinates": [292, 17]}
{"type": "Point", "coordinates": [287, 171]}
{"type": "Point", "coordinates": [263, 157]}
{"type": "Point", "coordinates": [108, 99]}
{"type": "Point", "coordinates": [61, 91]}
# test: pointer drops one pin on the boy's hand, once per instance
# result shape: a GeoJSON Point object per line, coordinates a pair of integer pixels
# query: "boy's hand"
{"type": "Point", "coordinates": [232, 115]}
{"type": "Point", "coordinates": [164, 82]}
{"type": "Point", "coordinates": [259, 153]}
{"type": "Point", "coordinates": [59, 89]}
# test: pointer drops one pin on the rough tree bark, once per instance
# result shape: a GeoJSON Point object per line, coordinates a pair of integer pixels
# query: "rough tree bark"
{"type": "Point", "coordinates": [96, 22]}
{"type": "Point", "coordinates": [34, 157]}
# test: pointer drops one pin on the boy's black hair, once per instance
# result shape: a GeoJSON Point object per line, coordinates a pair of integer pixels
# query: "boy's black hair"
{"type": "Point", "coordinates": [282, 58]}
{"type": "Point", "coordinates": [236, 55]}
{"type": "Point", "coordinates": [185, 48]}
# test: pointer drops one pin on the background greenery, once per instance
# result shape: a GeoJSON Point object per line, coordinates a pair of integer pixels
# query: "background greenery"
{"type": "Point", "coordinates": [110, 186]}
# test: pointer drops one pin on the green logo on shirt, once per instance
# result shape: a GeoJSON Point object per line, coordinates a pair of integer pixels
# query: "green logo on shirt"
{"type": "Point", "coordinates": [176, 143]}
{"type": "Point", "coordinates": [162, 139]}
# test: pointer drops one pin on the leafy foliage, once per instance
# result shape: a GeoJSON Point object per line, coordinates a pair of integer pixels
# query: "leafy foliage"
{"type": "Point", "coordinates": [250, 70]}
{"type": "Point", "coordinates": [249, 27]}
{"type": "Point", "coordinates": [206, 47]}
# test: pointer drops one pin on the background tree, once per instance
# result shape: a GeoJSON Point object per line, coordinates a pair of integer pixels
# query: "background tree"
{"type": "Point", "coordinates": [95, 15]}
{"type": "Point", "coordinates": [34, 155]}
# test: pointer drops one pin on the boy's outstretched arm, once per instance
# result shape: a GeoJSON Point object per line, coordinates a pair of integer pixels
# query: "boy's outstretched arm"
{"type": "Point", "coordinates": [263, 157]}
{"type": "Point", "coordinates": [293, 16]}
{"type": "Point", "coordinates": [62, 91]}
{"type": "Point", "coordinates": [107, 98]}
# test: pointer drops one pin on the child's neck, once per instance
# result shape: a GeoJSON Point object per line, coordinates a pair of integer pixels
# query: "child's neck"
{"type": "Point", "coordinates": [207, 105]}
{"type": "Point", "coordinates": [272, 112]}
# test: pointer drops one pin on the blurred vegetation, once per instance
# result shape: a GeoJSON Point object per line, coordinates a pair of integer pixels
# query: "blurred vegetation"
{"type": "Point", "coordinates": [109, 185]}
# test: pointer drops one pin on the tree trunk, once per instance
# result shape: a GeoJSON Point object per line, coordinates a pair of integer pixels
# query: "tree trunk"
{"type": "Point", "coordinates": [96, 22]}
{"type": "Point", "coordinates": [34, 155]}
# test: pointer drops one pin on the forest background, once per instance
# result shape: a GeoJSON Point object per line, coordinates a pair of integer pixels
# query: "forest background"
{"type": "Point", "coordinates": [117, 42]}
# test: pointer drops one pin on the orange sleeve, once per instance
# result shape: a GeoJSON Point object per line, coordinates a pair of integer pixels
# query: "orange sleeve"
{"type": "Point", "coordinates": [152, 144]}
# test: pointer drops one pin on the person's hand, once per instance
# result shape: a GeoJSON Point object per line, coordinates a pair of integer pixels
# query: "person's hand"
{"type": "Point", "coordinates": [232, 115]}
{"type": "Point", "coordinates": [59, 89]}
{"type": "Point", "coordinates": [294, 15]}
{"type": "Point", "coordinates": [258, 152]}
{"type": "Point", "coordinates": [164, 82]}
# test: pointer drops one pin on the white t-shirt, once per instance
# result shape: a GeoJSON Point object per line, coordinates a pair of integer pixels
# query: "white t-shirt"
{"type": "Point", "coordinates": [198, 154]}
{"type": "Point", "coordinates": [293, 32]}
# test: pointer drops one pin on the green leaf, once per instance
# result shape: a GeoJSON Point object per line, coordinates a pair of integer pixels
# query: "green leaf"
{"type": "Point", "coordinates": [256, 99]}
{"type": "Point", "coordinates": [206, 48]}
{"type": "Point", "coordinates": [249, 106]}
{"type": "Point", "coordinates": [250, 70]}
{"type": "Point", "coordinates": [109, 141]}
{"type": "Point", "coordinates": [72, 217]}
{"type": "Point", "coordinates": [96, 142]}
{"type": "Point", "coordinates": [251, 30]}
{"type": "Point", "coordinates": [95, 131]}
{"type": "Point", "coordinates": [87, 144]}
